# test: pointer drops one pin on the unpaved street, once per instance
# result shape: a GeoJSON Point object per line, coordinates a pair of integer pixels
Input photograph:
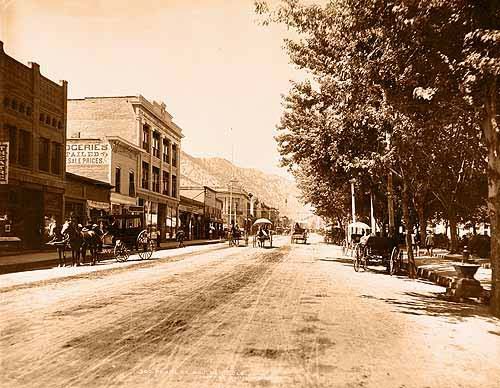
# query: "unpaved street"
{"type": "Point", "coordinates": [296, 315]}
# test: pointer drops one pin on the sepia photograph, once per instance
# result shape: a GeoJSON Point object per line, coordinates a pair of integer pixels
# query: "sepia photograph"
{"type": "Point", "coordinates": [250, 193]}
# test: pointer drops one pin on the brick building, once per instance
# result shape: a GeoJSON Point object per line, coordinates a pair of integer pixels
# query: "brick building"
{"type": "Point", "coordinates": [153, 140]}
{"type": "Point", "coordinates": [32, 143]}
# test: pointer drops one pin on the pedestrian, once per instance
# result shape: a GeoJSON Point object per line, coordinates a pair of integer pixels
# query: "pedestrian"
{"type": "Point", "coordinates": [429, 243]}
{"type": "Point", "coordinates": [180, 238]}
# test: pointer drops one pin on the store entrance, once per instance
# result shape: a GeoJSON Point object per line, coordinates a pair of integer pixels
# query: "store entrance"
{"type": "Point", "coordinates": [31, 218]}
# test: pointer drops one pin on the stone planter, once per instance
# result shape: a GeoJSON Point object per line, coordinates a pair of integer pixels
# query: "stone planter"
{"type": "Point", "coordinates": [466, 286]}
{"type": "Point", "coordinates": [465, 270]}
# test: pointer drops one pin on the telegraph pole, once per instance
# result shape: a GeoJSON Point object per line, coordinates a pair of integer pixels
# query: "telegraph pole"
{"type": "Point", "coordinates": [353, 201]}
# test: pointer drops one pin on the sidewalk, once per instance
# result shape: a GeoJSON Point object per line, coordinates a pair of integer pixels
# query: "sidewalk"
{"type": "Point", "coordinates": [43, 259]}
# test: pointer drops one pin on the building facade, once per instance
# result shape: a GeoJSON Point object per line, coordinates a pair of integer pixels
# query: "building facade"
{"type": "Point", "coordinates": [86, 199]}
{"type": "Point", "coordinates": [145, 127]}
{"type": "Point", "coordinates": [211, 222]}
{"type": "Point", "coordinates": [32, 144]}
{"type": "Point", "coordinates": [236, 206]}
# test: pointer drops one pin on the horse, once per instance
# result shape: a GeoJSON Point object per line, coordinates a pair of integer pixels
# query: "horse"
{"type": "Point", "coordinates": [73, 236]}
{"type": "Point", "coordinates": [59, 241]}
{"type": "Point", "coordinates": [92, 240]}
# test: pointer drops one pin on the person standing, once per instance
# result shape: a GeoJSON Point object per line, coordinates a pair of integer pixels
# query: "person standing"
{"type": "Point", "coordinates": [429, 244]}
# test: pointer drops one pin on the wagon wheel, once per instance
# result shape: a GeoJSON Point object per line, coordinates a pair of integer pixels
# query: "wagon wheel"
{"type": "Point", "coordinates": [357, 259]}
{"type": "Point", "coordinates": [394, 261]}
{"type": "Point", "coordinates": [145, 245]}
{"type": "Point", "coordinates": [121, 252]}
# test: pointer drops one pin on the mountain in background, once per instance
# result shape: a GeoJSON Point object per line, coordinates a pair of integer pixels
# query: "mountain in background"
{"type": "Point", "coordinates": [273, 190]}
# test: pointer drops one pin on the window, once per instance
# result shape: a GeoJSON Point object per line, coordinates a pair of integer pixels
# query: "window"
{"type": "Point", "coordinates": [6, 102]}
{"type": "Point", "coordinates": [156, 179]}
{"type": "Point", "coordinates": [166, 153]}
{"type": "Point", "coordinates": [156, 144]}
{"type": "Point", "coordinates": [54, 122]}
{"type": "Point", "coordinates": [43, 154]}
{"type": "Point", "coordinates": [47, 119]}
{"type": "Point", "coordinates": [28, 110]}
{"type": "Point", "coordinates": [131, 184]}
{"type": "Point", "coordinates": [13, 104]}
{"type": "Point", "coordinates": [166, 183]}
{"type": "Point", "coordinates": [174, 186]}
{"type": "Point", "coordinates": [12, 144]}
{"type": "Point", "coordinates": [42, 117]}
{"type": "Point", "coordinates": [174, 155]}
{"type": "Point", "coordinates": [145, 176]}
{"type": "Point", "coordinates": [25, 148]}
{"type": "Point", "coordinates": [145, 137]}
{"type": "Point", "coordinates": [118, 180]}
{"type": "Point", "coordinates": [22, 108]}
{"type": "Point", "coordinates": [56, 158]}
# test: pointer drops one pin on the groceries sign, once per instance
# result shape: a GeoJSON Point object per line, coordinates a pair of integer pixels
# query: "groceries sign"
{"type": "Point", "coordinates": [87, 153]}
{"type": "Point", "coordinates": [4, 163]}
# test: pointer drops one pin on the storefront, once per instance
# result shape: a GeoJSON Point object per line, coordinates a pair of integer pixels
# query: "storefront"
{"type": "Point", "coordinates": [192, 219]}
{"type": "Point", "coordinates": [86, 199]}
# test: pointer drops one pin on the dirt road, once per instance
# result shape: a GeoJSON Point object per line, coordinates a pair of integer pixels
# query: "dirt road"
{"type": "Point", "coordinates": [242, 317]}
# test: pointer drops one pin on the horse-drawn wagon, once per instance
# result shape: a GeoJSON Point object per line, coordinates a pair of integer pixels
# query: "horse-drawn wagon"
{"type": "Point", "coordinates": [299, 233]}
{"type": "Point", "coordinates": [381, 250]}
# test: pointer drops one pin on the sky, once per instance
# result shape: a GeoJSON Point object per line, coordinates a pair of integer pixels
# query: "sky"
{"type": "Point", "coordinates": [220, 73]}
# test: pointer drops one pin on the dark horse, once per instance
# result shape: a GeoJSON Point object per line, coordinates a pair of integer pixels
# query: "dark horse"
{"type": "Point", "coordinates": [80, 240]}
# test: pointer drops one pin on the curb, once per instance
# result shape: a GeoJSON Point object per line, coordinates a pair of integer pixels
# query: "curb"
{"type": "Point", "coordinates": [50, 263]}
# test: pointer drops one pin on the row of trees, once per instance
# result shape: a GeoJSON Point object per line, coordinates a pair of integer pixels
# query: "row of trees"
{"type": "Point", "coordinates": [401, 88]}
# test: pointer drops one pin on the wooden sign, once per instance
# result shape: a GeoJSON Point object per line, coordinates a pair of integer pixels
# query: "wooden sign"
{"type": "Point", "coordinates": [4, 163]}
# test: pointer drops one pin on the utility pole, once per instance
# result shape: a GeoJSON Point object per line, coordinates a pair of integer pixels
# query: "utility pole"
{"type": "Point", "coordinates": [372, 214]}
{"type": "Point", "coordinates": [353, 201]}
{"type": "Point", "coordinates": [390, 201]}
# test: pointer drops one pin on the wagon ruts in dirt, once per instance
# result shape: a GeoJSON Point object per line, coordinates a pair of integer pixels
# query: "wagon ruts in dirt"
{"type": "Point", "coordinates": [380, 251]}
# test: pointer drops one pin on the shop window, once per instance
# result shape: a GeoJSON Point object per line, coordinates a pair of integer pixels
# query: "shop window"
{"type": "Point", "coordinates": [156, 144]}
{"type": "Point", "coordinates": [56, 158]}
{"type": "Point", "coordinates": [25, 149]}
{"type": "Point", "coordinates": [131, 184]}
{"type": "Point", "coordinates": [166, 183]}
{"type": "Point", "coordinates": [145, 176]}
{"type": "Point", "coordinates": [145, 137]}
{"type": "Point", "coordinates": [166, 153]}
{"type": "Point", "coordinates": [118, 180]}
{"type": "Point", "coordinates": [12, 144]}
{"type": "Point", "coordinates": [174, 155]}
{"type": "Point", "coordinates": [156, 179]}
{"type": "Point", "coordinates": [43, 154]}
{"type": "Point", "coordinates": [174, 186]}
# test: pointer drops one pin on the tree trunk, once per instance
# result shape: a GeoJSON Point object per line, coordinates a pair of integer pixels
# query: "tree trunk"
{"type": "Point", "coordinates": [453, 233]}
{"type": "Point", "coordinates": [490, 128]}
{"type": "Point", "coordinates": [422, 222]}
{"type": "Point", "coordinates": [412, 269]}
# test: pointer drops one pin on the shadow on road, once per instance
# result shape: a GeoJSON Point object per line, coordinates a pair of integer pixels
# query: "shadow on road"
{"type": "Point", "coordinates": [436, 305]}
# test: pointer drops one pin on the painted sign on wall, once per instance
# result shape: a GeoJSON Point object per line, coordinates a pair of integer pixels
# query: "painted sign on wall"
{"type": "Point", "coordinates": [4, 163]}
{"type": "Point", "coordinates": [87, 153]}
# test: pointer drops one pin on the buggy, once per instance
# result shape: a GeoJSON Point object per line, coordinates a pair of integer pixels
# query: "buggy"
{"type": "Point", "coordinates": [383, 250]}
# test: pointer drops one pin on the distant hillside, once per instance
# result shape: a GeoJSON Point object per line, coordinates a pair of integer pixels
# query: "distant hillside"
{"type": "Point", "coordinates": [272, 189]}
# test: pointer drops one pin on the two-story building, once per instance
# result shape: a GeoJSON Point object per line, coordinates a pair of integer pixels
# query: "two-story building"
{"type": "Point", "coordinates": [32, 143]}
{"type": "Point", "coordinates": [236, 205]}
{"type": "Point", "coordinates": [145, 153]}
